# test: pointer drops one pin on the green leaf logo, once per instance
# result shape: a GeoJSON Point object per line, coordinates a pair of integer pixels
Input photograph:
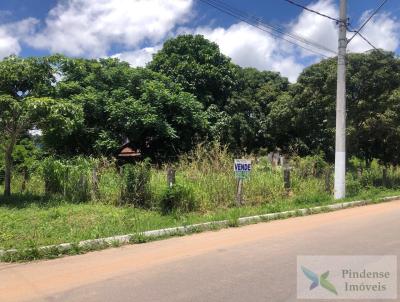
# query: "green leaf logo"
{"type": "Point", "coordinates": [323, 280]}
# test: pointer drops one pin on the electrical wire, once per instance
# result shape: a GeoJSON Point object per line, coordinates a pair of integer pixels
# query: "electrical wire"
{"type": "Point", "coordinates": [366, 40]}
{"type": "Point", "coordinates": [367, 20]}
{"type": "Point", "coordinates": [313, 11]}
{"type": "Point", "coordinates": [260, 24]}
{"type": "Point", "coordinates": [357, 32]}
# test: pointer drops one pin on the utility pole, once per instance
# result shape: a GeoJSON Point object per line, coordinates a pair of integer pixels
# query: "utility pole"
{"type": "Point", "coordinates": [340, 147]}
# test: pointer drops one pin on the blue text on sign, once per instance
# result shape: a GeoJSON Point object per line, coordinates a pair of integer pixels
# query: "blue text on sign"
{"type": "Point", "coordinates": [242, 167]}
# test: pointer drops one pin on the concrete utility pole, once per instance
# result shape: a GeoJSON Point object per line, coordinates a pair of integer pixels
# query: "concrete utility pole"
{"type": "Point", "coordinates": [340, 148]}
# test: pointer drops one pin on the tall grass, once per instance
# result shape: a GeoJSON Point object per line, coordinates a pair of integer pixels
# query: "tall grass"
{"type": "Point", "coordinates": [204, 181]}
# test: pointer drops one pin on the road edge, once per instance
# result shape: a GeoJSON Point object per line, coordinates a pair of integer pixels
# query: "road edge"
{"type": "Point", "coordinates": [53, 251]}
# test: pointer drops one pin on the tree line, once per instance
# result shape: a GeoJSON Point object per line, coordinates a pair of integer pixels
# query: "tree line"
{"type": "Point", "coordinates": [190, 93]}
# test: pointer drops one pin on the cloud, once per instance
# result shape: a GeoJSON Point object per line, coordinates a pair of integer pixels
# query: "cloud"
{"type": "Point", "coordinates": [93, 27]}
{"type": "Point", "coordinates": [11, 35]}
{"type": "Point", "coordinates": [8, 44]}
{"type": "Point", "coordinates": [382, 31]}
{"type": "Point", "coordinates": [316, 28]}
{"type": "Point", "coordinates": [139, 57]}
{"type": "Point", "coordinates": [250, 47]}
{"type": "Point", "coordinates": [96, 28]}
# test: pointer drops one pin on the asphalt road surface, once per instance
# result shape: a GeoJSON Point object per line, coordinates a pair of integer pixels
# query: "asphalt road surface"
{"type": "Point", "coordinates": [251, 263]}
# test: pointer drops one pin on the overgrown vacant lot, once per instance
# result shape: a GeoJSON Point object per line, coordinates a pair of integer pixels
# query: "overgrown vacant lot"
{"type": "Point", "coordinates": [62, 203]}
{"type": "Point", "coordinates": [33, 223]}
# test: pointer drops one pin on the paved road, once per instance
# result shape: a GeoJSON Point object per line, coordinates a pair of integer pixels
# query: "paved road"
{"type": "Point", "coordinates": [251, 263]}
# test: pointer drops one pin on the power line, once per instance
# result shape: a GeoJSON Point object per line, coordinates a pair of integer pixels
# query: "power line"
{"type": "Point", "coordinates": [334, 19]}
{"type": "Point", "coordinates": [313, 11]}
{"type": "Point", "coordinates": [258, 23]}
{"type": "Point", "coordinates": [365, 39]}
{"type": "Point", "coordinates": [366, 21]}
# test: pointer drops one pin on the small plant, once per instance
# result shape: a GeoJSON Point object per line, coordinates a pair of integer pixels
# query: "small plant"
{"type": "Point", "coordinates": [353, 186]}
{"type": "Point", "coordinates": [233, 219]}
{"type": "Point", "coordinates": [69, 178]}
{"type": "Point", "coordinates": [310, 166]}
{"type": "Point", "coordinates": [53, 175]}
{"type": "Point", "coordinates": [179, 198]}
{"type": "Point", "coordinates": [136, 184]}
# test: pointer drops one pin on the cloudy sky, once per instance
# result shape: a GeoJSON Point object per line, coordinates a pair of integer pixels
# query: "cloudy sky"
{"type": "Point", "coordinates": [135, 29]}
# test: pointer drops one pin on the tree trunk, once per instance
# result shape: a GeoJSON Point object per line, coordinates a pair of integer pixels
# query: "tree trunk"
{"type": "Point", "coordinates": [7, 171]}
{"type": "Point", "coordinates": [25, 180]}
{"type": "Point", "coordinates": [8, 165]}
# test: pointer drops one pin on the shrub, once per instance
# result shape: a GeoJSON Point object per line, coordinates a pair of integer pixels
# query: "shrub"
{"type": "Point", "coordinates": [109, 185]}
{"type": "Point", "coordinates": [353, 185]}
{"type": "Point", "coordinates": [310, 166]}
{"type": "Point", "coordinates": [54, 175]}
{"type": "Point", "coordinates": [78, 186]}
{"type": "Point", "coordinates": [179, 198]}
{"type": "Point", "coordinates": [69, 178]}
{"type": "Point", "coordinates": [136, 184]}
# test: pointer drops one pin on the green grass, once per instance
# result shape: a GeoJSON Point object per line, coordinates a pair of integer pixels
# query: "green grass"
{"type": "Point", "coordinates": [73, 208]}
{"type": "Point", "coordinates": [28, 222]}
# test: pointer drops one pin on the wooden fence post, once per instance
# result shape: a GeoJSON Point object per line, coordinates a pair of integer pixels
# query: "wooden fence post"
{"type": "Point", "coordinates": [25, 179]}
{"type": "Point", "coordinates": [359, 172]}
{"type": "Point", "coordinates": [286, 178]}
{"type": "Point", "coordinates": [95, 180]}
{"type": "Point", "coordinates": [239, 191]}
{"type": "Point", "coordinates": [384, 177]}
{"type": "Point", "coordinates": [170, 177]}
{"type": "Point", "coordinates": [328, 180]}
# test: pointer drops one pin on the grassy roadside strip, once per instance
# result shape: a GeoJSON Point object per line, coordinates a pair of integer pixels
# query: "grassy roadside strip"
{"type": "Point", "coordinates": [233, 219]}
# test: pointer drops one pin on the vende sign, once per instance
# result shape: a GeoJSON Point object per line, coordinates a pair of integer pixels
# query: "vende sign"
{"type": "Point", "coordinates": [242, 168]}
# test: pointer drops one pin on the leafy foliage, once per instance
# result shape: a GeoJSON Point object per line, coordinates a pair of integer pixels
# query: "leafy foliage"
{"type": "Point", "coordinates": [70, 179]}
{"type": "Point", "coordinates": [136, 185]}
{"type": "Point", "coordinates": [180, 198]}
{"type": "Point", "coordinates": [198, 65]}
{"type": "Point", "coordinates": [120, 102]}
{"type": "Point", "coordinates": [372, 102]}
{"type": "Point", "coordinates": [192, 93]}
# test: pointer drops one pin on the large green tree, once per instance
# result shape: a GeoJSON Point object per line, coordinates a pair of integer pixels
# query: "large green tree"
{"type": "Point", "coordinates": [198, 65]}
{"type": "Point", "coordinates": [373, 80]}
{"type": "Point", "coordinates": [23, 83]}
{"type": "Point", "coordinates": [121, 102]}
{"type": "Point", "coordinates": [18, 79]}
{"type": "Point", "coordinates": [249, 107]}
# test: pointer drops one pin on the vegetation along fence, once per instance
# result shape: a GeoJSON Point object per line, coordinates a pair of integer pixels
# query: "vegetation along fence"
{"type": "Point", "coordinates": [203, 180]}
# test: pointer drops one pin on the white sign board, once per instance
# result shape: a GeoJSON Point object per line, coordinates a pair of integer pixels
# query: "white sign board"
{"type": "Point", "coordinates": [242, 168]}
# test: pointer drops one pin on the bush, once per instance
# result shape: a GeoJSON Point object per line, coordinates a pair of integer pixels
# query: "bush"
{"type": "Point", "coordinates": [54, 175]}
{"type": "Point", "coordinates": [353, 186]}
{"type": "Point", "coordinates": [136, 184]}
{"type": "Point", "coordinates": [179, 198]}
{"type": "Point", "coordinates": [78, 185]}
{"type": "Point", "coordinates": [310, 166]}
{"type": "Point", "coordinates": [69, 178]}
{"type": "Point", "coordinates": [109, 185]}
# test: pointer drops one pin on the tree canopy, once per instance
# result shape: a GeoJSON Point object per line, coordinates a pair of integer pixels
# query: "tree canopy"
{"type": "Point", "coordinates": [373, 80]}
{"type": "Point", "coordinates": [24, 84]}
{"type": "Point", "coordinates": [122, 103]}
{"type": "Point", "coordinates": [198, 65]}
{"type": "Point", "coordinates": [189, 93]}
